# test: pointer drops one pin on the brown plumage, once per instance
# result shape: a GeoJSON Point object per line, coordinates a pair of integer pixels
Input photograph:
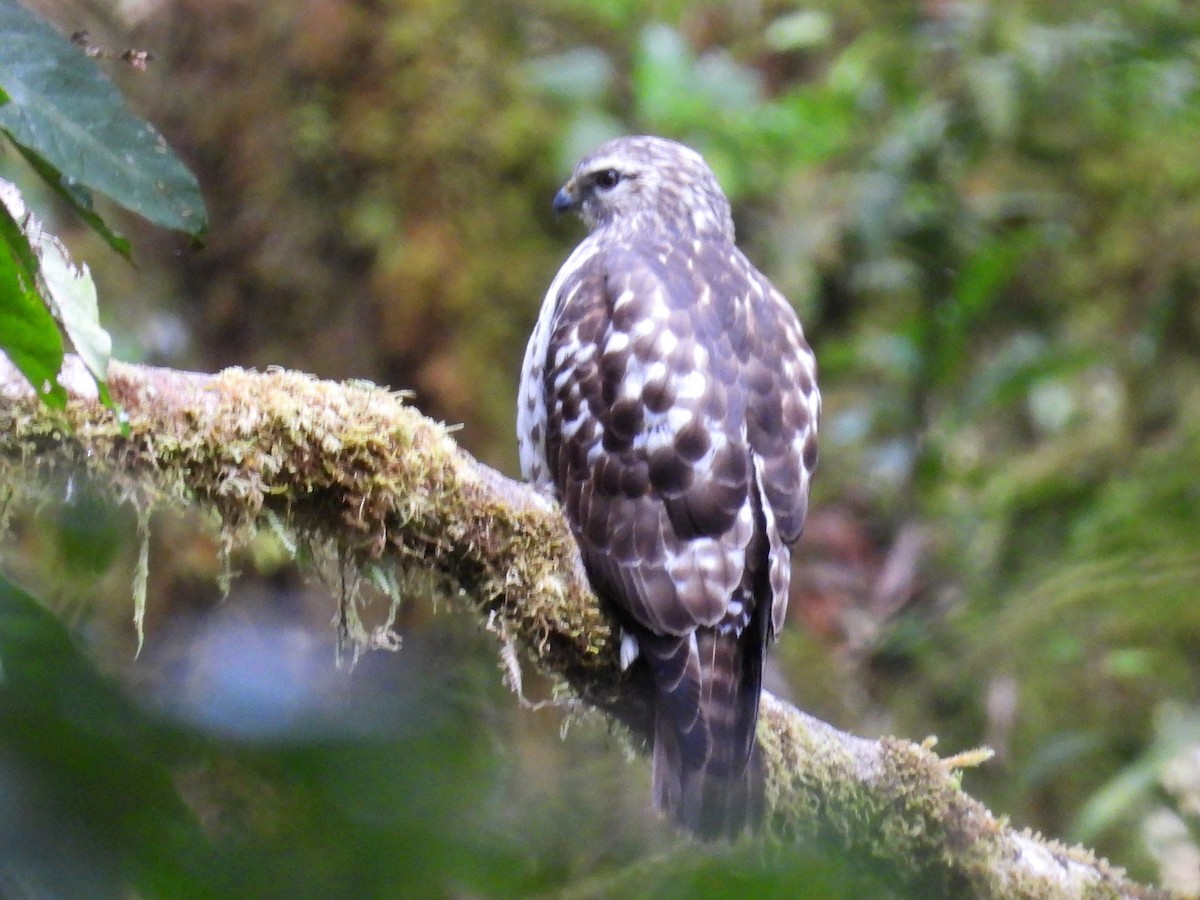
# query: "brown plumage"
{"type": "Point", "coordinates": [669, 398]}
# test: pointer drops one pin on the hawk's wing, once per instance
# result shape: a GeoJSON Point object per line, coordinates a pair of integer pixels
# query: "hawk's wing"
{"type": "Point", "coordinates": [674, 393]}
{"type": "Point", "coordinates": [780, 380]}
{"type": "Point", "coordinates": [646, 440]}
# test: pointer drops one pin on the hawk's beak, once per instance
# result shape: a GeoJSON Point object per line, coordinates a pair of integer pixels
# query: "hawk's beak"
{"type": "Point", "coordinates": [564, 200]}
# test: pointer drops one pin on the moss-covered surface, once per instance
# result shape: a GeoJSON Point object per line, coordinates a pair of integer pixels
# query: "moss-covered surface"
{"type": "Point", "coordinates": [351, 472]}
{"type": "Point", "coordinates": [892, 800]}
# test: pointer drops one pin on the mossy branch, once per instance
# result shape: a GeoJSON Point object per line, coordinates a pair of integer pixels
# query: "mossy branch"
{"type": "Point", "coordinates": [352, 466]}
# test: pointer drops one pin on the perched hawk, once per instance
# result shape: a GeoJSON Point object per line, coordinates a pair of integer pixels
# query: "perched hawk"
{"type": "Point", "coordinates": [669, 399]}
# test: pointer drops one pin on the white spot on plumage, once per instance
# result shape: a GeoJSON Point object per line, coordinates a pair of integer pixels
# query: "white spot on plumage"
{"type": "Point", "coordinates": [561, 379]}
{"type": "Point", "coordinates": [656, 372]}
{"type": "Point", "coordinates": [634, 381]}
{"type": "Point", "coordinates": [643, 328]}
{"type": "Point", "coordinates": [690, 387]}
{"type": "Point", "coordinates": [702, 220]}
{"type": "Point", "coordinates": [625, 297]}
{"type": "Point", "coordinates": [655, 436]}
{"type": "Point", "coordinates": [717, 443]}
{"type": "Point", "coordinates": [629, 649]}
{"type": "Point", "coordinates": [678, 418]}
{"type": "Point", "coordinates": [618, 342]}
{"type": "Point", "coordinates": [570, 427]}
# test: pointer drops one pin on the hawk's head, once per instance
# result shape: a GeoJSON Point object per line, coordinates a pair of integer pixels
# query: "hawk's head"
{"type": "Point", "coordinates": [650, 181]}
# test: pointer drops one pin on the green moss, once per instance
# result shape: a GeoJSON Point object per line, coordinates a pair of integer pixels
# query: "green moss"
{"type": "Point", "coordinates": [345, 469]}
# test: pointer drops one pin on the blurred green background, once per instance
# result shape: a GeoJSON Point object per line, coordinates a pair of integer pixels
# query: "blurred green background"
{"type": "Point", "coordinates": [988, 218]}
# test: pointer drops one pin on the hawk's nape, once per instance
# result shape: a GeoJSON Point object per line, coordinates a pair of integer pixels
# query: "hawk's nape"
{"type": "Point", "coordinates": [669, 398]}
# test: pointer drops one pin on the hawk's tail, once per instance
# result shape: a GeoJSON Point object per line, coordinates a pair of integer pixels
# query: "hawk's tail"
{"type": "Point", "coordinates": [707, 774]}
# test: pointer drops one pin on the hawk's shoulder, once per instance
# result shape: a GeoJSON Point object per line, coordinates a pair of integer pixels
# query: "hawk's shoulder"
{"type": "Point", "coordinates": [645, 439]}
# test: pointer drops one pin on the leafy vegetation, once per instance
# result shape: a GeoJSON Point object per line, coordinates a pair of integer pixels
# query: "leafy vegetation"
{"type": "Point", "coordinates": [70, 125]}
{"type": "Point", "coordinates": [988, 216]}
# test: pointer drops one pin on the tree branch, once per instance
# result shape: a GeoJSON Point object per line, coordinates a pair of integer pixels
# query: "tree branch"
{"type": "Point", "coordinates": [352, 467]}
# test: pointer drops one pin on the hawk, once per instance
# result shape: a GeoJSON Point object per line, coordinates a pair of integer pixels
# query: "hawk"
{"type": "Point", "coordinates": [668, 398]}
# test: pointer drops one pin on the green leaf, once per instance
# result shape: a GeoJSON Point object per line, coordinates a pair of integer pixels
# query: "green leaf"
{"type": "Point", "coordinates": [28, 333]}
{"type": "Point", "coordinates": [63, 109]}
{"type": "Point", "coordinates": [80, 199]}
{"type": "Point", "coordinates": [57, 285]}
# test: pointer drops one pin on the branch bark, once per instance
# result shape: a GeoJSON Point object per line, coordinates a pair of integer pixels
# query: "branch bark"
{"type": "Point", "coordinates": [352, 466]}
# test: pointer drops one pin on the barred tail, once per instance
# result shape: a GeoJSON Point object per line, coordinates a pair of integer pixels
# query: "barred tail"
{"type": "Point", "coordinates": [707, 775]}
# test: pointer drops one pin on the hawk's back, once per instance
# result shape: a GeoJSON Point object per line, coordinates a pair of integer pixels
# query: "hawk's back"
{"type": "Point", "coordinates": [669, 398]}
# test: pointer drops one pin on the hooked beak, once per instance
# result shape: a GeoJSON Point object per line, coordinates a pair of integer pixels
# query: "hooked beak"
{"type": "Point", "coordinates": [564, 200]}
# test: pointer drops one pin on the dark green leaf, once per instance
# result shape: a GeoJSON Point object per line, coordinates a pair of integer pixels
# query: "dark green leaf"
{"type": "Point", "coordinates": [80, 199]}
{"type": "Point", "coordinates": [64, 110]}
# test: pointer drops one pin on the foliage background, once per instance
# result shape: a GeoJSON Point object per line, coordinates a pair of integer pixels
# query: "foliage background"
{"type": "Point", "coordinates": [988, 216]}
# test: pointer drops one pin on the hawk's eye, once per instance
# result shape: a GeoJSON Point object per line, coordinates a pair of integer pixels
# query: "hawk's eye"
{"type": "Point", "coordinates": [607, 179]}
